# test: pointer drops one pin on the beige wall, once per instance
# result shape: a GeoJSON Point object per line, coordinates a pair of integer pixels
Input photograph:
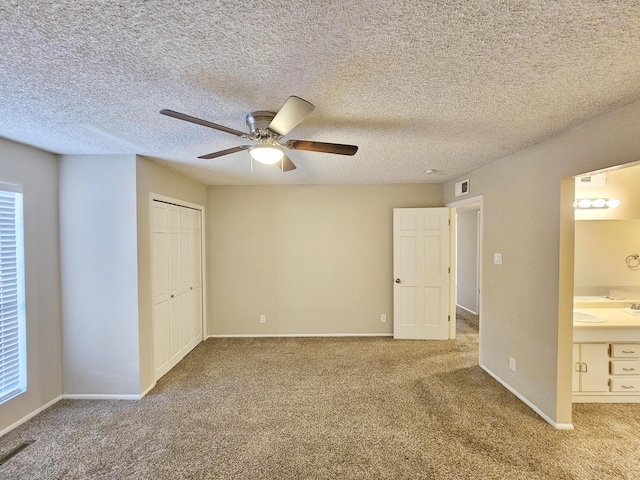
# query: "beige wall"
{"type": "Point", "coordinates": [623, 184]}
{"type": "Point", "coordinates": [600, 253]}
{"type": "Point", "coordinates": [154, 178]}
{"type": "Point", "coordinates": [313, 259]}
{"type": "Point", "coordinates": [37, 172]}
{"type": "Point", "coordinates": [523, 221]}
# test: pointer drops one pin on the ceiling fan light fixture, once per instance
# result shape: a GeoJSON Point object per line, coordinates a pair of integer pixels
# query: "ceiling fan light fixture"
{"type": "Point", "coordinates": [267, 154]}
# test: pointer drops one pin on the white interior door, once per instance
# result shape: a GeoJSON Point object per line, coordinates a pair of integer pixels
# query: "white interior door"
{"type": "Point", "coordinates": [177, 283]}
{"type": "Point", "coordinates": [421, 273]}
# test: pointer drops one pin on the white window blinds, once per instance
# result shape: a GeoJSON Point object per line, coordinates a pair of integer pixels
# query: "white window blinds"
{"type": "Point", "coordinates": [12, 317]}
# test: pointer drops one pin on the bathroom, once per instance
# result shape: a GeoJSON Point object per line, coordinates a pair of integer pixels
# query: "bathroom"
{"type": "Point", "coordinates": [607, 287]}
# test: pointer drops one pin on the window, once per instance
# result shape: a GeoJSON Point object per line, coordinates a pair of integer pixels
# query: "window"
{"type": "Point", "coordinates": [13, 379]}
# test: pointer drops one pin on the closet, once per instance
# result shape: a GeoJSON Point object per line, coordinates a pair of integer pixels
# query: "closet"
{"type": "Point", "coordinates": [177, 283]}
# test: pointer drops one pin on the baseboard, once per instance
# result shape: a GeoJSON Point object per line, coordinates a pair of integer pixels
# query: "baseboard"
{"type": "Point", "coordinates": [276, 335]}
{"type": "Point", "coordinates": [30, 416]}
{"type": "Point", "coordinates": [466, 309]}
{"type": "Point", "coordinates": [148, 389]}
{"type": "Point", "coordinates": [559, 426]}
{"type": "Point", "coordinates": [99, 396]}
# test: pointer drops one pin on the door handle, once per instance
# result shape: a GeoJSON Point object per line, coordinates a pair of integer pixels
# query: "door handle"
{"type": "Point", "coordinates": [397, 280]}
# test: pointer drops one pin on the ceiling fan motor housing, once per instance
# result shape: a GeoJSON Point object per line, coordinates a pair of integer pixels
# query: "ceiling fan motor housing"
{"type": "Point", "coordinates": [258, 123]}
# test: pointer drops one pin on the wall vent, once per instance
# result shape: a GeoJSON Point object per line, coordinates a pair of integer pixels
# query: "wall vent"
{"type": "Point", "coordinates": [461, 188]}
{"type": "Point", "coordinates": [598, 180]}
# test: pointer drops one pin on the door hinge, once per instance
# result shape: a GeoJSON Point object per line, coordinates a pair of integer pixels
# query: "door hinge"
{"type": "Point", "coordinates": [449, 221]}
{"type": "Point", "coordinates": [448, 318]}
{"type": "Point", "coordinates": [449, 270]}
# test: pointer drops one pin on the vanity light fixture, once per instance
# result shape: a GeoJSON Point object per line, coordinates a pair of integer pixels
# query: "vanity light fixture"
{"type": "Point", "coordinates": [596, 203]}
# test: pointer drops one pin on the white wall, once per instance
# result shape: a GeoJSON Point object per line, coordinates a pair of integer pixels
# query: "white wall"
{"type": "Point", "coordinates": [37, 172]}
{"type": "Point", "coordinates": [98, 254]}
{"type": "Point", "coordinates": [528, 217]}
{"type": "Point", "coordinates": [313, 259]}
{"type": "Point", "coordinates": [467, 260]}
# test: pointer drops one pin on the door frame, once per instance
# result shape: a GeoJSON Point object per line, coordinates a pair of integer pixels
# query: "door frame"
{"type": "Point", "coordinates": [454, 245]}
{"type": "Point", "coordinates": [183, 203]}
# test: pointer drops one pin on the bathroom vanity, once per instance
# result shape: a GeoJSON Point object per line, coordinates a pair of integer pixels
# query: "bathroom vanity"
{"type": "Point", "coordinates": [606, 353]}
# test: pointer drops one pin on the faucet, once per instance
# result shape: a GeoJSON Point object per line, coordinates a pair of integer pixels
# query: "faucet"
{"type": "Point", "coordinates": [635, 306]}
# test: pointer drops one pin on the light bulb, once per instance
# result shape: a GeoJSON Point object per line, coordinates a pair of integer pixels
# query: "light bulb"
{"type": "Point", "coordinates": [267, 154]}
{"type": "Point", "coordinates": [613, 203]}
{"type": "Point", "coordinates": [599, 203]}
{"type": "Point", "coordinates": [584, 203]}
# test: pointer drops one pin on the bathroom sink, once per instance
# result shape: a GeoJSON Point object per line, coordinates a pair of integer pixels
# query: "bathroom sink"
{"type": "Point", "coordinates": [632, 311]}
{"type": "Point", "coordinates": [582, 317]}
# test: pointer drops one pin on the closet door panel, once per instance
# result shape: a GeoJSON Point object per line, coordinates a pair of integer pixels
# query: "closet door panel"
{"type": "Point", "coordinates": [161, 357]}
{"type": "Point", "coordinates": [175, 316]}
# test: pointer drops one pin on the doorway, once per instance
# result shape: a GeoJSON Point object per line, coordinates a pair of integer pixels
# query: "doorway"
{"type": "Point", "coordinates": [467, 248]}
{"type": "Point", "coordinates": [606, 226]}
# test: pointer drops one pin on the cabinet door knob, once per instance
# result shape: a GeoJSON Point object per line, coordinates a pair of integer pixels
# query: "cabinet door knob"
{"type": "Point", "coordinates": [585, 368]}
{"type": "Point", "coordinates": [397, 280]}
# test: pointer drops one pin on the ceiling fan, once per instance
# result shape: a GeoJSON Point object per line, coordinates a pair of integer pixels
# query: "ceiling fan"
{"type": "Point", "coordinates": [267, 129]}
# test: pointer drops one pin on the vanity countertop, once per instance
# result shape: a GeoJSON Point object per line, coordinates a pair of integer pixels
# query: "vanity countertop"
{"type": "Point", "coordinates": [620, 326]}
{"type": "Point", "coordinates": [615, 318]}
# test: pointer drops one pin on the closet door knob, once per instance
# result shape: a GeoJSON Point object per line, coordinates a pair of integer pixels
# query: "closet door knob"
{"type": "Point", "coordinates": [397, 280]}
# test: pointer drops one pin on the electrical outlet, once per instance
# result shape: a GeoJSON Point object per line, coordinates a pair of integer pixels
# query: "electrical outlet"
{"type": "Point", "coordinates": [383, 318]}
{"type": "Point", "coordinates": [497, 258]}
{"type": "Point", "coordinates": [512, 363]}
{"type": "Point", "coordinates": [263, 319]}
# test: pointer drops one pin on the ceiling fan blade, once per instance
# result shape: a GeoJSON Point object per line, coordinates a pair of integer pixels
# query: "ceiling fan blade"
{"type": "Point", "coordinates": [286, 164]}
{"type": "Point", "coordinates": [324, 147]}
{"type": "Point", "coordinates": [294, 110]}
{"type": "Point", "coordinates": [205, 123]}
{"type": "Point", "coordinates": [225, 152]}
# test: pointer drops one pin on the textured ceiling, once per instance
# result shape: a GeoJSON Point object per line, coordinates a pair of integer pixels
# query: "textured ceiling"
{"type": "Point", "coordinates": [444, 85]}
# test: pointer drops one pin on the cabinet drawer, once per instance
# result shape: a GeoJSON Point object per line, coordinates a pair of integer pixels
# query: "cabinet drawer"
{"type": "Point", "coordinates": [625, 350]}
{"type": "Point", "coordinates": [631, 384]}
{"type": "Point", "coordinates": [625, 367]}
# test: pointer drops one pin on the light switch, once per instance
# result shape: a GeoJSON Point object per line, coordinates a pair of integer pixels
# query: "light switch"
{"type": "Point", "coordinates": [497, 258]}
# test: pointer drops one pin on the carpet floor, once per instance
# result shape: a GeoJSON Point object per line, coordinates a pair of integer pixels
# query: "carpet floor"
{"type": "Point", "coordinates": [325, 408]}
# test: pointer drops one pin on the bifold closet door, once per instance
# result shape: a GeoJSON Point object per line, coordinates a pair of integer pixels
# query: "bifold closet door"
{"type": "Point", "coordinates": [177, 283]}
